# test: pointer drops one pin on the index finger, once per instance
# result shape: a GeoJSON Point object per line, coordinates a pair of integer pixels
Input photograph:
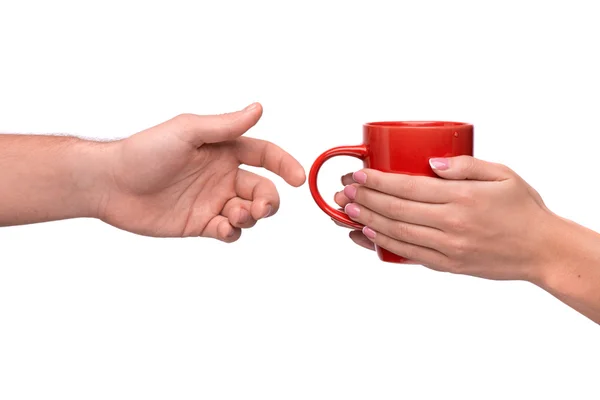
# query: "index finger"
{"type": "Point", "coordinates": [261, 153]}
{"type": "Point", "coordinates": [423, 189]}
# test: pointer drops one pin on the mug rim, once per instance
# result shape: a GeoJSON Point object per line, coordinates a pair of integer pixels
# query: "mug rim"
{"type": "Point", "coordinates": [416, 124]}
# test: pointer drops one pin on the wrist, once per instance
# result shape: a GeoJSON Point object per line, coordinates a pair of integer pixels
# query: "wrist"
{"type": "Point", "coordinates": [91, 163]}
{"type": "Point", "coordinates": [572, 273]}
{"type": "Point", "coordinates": [550, 250]}
{"type": "Point", "coordinates": [568, 250]}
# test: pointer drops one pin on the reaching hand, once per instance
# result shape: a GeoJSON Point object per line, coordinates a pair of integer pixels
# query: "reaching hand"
{"type": "Point", "coordinates": [183, 177]}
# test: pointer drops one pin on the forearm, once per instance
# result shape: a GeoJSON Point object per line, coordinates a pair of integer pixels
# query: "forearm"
{"type": "Point", "coordinates": [573, 270]}
{"type": "Point", "coordinates": [45, 178]}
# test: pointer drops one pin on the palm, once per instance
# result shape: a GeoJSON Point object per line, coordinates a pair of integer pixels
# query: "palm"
{"type": "Point", "coordinates": [167, 185]}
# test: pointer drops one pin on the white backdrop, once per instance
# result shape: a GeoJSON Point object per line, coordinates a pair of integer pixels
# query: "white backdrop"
{"type": "Point", "coordinates": [294, 310]}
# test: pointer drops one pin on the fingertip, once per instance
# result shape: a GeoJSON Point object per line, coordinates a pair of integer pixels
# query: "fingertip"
{"type": "Point", "coordinates": [347, 179]}
{"type": "Point", "coordinates": [262, 210]}
{"type": "Point", "coordinates": [369, 233]}
{"type": "Point", "coordinates": [302, 177]}
{"type": "Point", "coordinates": [253, 107]}
{"type": "Point", "coordinates": [268, 212]}
{"type": "Point", "coordinates": [228, 233]}
{"type": "Point", "coordinates": [359, 238]}
{"type": "Point", "coordinates": [243, 217]}
{"type": "Point", "coordinates": [234, 236]}
{"type": "Point", "coordinates": [298, 177]}
{"type": "Point", "coordinates": [341, 199]}
{"type": "Point", "coordinates": [360, 176]}
{"type": "Point", "coordinates": [256, 114]}
{"type": "Point", "coordinates": [439, 164]}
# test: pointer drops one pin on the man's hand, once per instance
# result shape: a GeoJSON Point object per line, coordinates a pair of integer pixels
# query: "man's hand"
{"type": "Point", "coordinates": [183, 177]}
{"type": "Point", "coordinates": [180, 178]}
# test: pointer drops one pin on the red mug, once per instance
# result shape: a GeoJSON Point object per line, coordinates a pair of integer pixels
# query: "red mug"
{"type": "Point", "coordinates": [402, 147]}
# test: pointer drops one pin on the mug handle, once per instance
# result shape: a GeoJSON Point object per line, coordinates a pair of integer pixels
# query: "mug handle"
{"type": "Point", "coordinates": [359, 152]}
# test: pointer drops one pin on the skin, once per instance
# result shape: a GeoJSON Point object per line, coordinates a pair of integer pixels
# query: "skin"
{"type": "Point", "coordinates": [480, 219]}
{"type": "Point", "coordinates": [180, 178]}
{"type": "Point", "coordinates": [183, 178]}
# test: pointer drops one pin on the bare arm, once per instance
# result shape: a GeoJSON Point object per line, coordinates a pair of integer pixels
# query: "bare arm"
{"type": "Point", "coordinates": [482, 220]}
{"type": "Point", "coordinates": [574, 275]}
{"type": "Point", "coordinates": [45, 178]}
{"type": "Point", "coordinates": [179, 178]}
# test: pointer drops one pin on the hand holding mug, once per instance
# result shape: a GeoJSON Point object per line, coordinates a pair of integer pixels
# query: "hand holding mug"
{"type": "Point", "coordinates": [482, 219]}
{"type": "Point", "coordinates": [397, 148]}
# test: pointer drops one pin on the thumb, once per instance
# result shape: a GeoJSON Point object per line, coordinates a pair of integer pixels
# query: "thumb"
{"type": "Point", "coordinates": [467, 167]}
{"type": "Point", "coordinates": [200, 129]}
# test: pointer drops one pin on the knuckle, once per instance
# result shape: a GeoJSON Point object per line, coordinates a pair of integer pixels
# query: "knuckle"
{"type": "Point", "coordinates": [401, 231]}
{"type": "Point", "coordinates": [408, 252]}
{"type": "Point", "coordinates": [455, 267]}
{"type": "Point", "coordinates": [465, 194]}
{"type": "Point", "coordinates": [469, 165]}
{"type": "Point", "coordinates": [410, 186]}
{"type": "Point", "coordinates": [227, 123]}
{"type": "Point", "coordinates": [460, 248]}
{"type": "Point", "coordinates": [184, 119]}
{"type": "Point", "coordinates": [395, 208]}
{"type": "Point", "coordinates": [536, 195]}
{"type": "Point", "coordinates": [271, 192]}
{"type": "Point", "coordinates": [456, 224]}
{"type": "Point", "coordinates": [505, 170]}
{"type": "Point", "coordinates": [273, 151]}
{"type": "Point", "coordinates": [374, 180]}
{"type": "Point", "coordinates": [367, 216]}
{"type": "Point", "coordinates": [361, 195]}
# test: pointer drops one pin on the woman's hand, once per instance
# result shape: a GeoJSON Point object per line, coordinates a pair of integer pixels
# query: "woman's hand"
{"type": "Point", "coordinates": [481, 219]}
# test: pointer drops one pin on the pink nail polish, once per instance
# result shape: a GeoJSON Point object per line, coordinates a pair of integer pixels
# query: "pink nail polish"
{"type": "Point", "coordinates": [441, 164]}
{"type": "Point", "coordinates": [352, 210]}
{"type": "Point", "coordinates": [368, 232]}
{"type": "Point", "coordinates": [350, 192]}
{"type": "Point", "coordinates": [359, 177]}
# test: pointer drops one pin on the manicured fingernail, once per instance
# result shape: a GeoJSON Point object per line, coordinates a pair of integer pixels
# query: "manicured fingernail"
{"type": "Point", "coordinates": [251, 107]}
{"type": "Point", "coordinates": [359, 177]}
{"type": "Point", "coordinates": [269, 211]}
{"type": "Point", "coordinates": [350, 192]}
{"type": "Point", "coordinates": [244, 216]}
{"type": "Point", "coordinates": [368, 232]}
{"type": "Point", "coordinates": [352, 210]}
{"type": "Point", "coordinates": [440, 164]}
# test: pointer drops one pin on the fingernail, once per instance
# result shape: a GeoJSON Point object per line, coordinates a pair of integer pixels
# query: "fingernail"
{"type": "Point", "coordinates": [251, 107]}
{"type": "Point", "coordinates": [368, 232]}
{"type": "Point", "coordinates": [244, 216]}
{"type": "Point", "coordinates": [359, 177]}
{"type": "Point", "coordinates": [269, 211]}
{"type": "Point", "coordinates": [440, 164]}
{"type": "Point", "coordinates": [231, 233]}
{"type": "Point", "coordinates": [350, 192]}
{"type": "Point", "coordinates": [352, 210]}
